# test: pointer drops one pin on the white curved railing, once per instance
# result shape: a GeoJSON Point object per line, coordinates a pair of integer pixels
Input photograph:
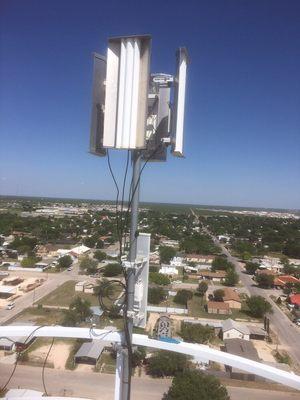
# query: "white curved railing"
{"type": "Point", "coordinates": [200, 351]}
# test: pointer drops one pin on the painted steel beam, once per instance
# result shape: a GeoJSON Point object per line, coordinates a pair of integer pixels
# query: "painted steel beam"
{"type": "Point", "coordinates": [196, 350]}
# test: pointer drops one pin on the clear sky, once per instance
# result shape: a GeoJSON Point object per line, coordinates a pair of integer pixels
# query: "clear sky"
{"type": "Point", "coordinates": [242, 142]}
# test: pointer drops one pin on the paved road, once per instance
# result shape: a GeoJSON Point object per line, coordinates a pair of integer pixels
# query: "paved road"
{"type": "Point", "coordinates": [25, 301]}
{"type": "Point", "coordinates": [101, 386]}
{"type": "Point", "coordinates": [288, 333]}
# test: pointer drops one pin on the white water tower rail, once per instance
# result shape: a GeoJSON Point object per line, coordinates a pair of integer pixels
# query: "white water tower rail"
{"type": "Point", "coordinates": [196, 350]}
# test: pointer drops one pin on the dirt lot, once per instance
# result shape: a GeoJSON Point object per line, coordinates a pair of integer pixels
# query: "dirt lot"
{"type": "Point", "coordinates": [58, 355]}
{"type": "Point", "coordinates": [264, 350]}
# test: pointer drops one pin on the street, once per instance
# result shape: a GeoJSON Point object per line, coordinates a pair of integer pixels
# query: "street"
{"type": "Point", "coordinates": [27, 300]}
{"type": "Point", "coordinates": [288, 333]}
{"type": "Point", "coordinates": [101, 386]}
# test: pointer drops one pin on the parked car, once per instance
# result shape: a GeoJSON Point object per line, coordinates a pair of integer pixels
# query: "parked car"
{"type": "Point", "coordinates": [10, 306]}
{"type": "Point", "coordinates": [69, 269]}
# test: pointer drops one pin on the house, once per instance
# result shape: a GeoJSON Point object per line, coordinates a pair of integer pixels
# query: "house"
{"type": "Point", "coordinates": [282, 280]}
{"type": "Point", "coordinates": [44, 264]}
{"type": "Point", "coordinates": [265, 272]}
{"type": "Point", "coordinates": [196, 268]}
{"type": "Point", "coordinates": [169, 243]}
{"type": "Point", "coordinates": [242, 348]}
{"type": "Point", "coordinates": [234, 330]}
{"type": "Point", "coordinates": [176, 262]}
{"type": "Point", "coordinates": [154, 258]}
{"type": "Point", "coordinates": [7, 291]}
{"type": "Point", "coordinates": [79, 286]}
{"type": "Point", "coordinates": [271, 263]}
{"type": "Point", "coordinates": [199, 258]}
{"type": "Point", "coordinates": [218, 307]}
{"type": "Point", "coordinates": [89, 287]}
{"type": "Point", "coordinates": [90, 352]}
{"type": "Point", "coordinates": [62, 252]}
{"type": "Point", "coordinates": [238, 330]}
{"type": "Point", "coordinates": [45, 250]}
{"type": "Point", "coordinates": [79, 251]}
{"type": "Point", "coordinates": [224, 238]}
{"type": "Point", "coordinates": [85, 286]}
{"type": "Point", "coordinates": [232, 298]}
{"type": "Point", "coordinates": [295, 299]}
{"type": "Point", "coordinates": [168, 270]}
{"type": "Point", "coordinates": [217, 276]}
{"type": "Point", "coordinates": [256, 332]}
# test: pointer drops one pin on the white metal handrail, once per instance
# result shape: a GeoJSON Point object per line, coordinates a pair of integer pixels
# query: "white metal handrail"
{"type": "Point", "coordinates": [200, 351]}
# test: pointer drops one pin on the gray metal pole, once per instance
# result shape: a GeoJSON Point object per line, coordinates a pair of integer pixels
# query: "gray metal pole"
{"type": "Point", "coordinates": [136, 168]}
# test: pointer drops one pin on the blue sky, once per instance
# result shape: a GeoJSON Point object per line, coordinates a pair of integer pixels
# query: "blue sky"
{"type": "Point", "coordinates": [242, 142]}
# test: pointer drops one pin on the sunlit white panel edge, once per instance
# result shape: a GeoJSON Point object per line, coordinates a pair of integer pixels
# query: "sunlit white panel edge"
{"type": "Point", "coordinates": [111, 94]}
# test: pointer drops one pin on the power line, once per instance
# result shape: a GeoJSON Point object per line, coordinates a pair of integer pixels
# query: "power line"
{"type": "Point", "coordinates": [44, 366]}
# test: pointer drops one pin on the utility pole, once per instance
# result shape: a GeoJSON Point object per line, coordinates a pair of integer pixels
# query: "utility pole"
{"type": "Point", "coordinates": [125, 375]}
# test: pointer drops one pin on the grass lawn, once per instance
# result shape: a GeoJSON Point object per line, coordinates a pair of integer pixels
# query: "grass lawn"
{"type": "Point", "coordinates": [106, 364]}
{"type": "Point", "coordinates": [41, 316]}
{"type": "Point", "coordinates": [106, 321]}
{"type": "Point", "coordinates": [65, 294]}
{"type": "Point", "coordinates": [170, 303]}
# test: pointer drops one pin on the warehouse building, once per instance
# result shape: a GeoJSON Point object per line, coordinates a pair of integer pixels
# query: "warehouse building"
{"type": "Point", "coordinates": [90, 352]}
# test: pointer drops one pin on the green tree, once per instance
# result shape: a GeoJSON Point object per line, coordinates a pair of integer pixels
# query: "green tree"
{"type": "Point", "coordinates": [251, 268]}
{"type": "Point", "coordinates": [65, 262]}
{"type": "Point", "coordinates": [79, 311]}
{"type": "Point", "coordinates": [219, 294]}
{"type": "Point", "coordinates": [88, 265]}
{"type": "Point", "coordinates": [231, 278]}
{"type": "Point", "coordinates": [196, 333]}
{"type": "Point", "coordinates": [265, 280]}
{"type": "Point", "coordinates": [20, 242]}
{"type": "Point", "coordinates": [288, 288]}
{"type": "Point", "coordinates": [25, 249]}
{"type": "Point", "coordinates": [114, 269]}
{"type": "Point", "coordinates": [81, 307]}
{"type": "Point", "coordinates": [167, 363]}
{"type": "Point", "coordinates": [219, 263]}
{"type": "Point", "coordinates": [195, 385]}
{"type": "Point", "coordinates": [159, 279]}
{"type": "Point", "coordinates": [202, 289]}
{"type": "Point", "coordinates": [29, 262]}
{"type": "Point", "coordinates": [99, 255]}
{"type": "Point", "coordinates": [183, 296]}
{"type": "Point", "coordinates": [297, 287]}
{"type": "Point", "coordinates": [70, 318]}
{"type": "Point", "coordinates": [90, 241]}
{"type": "Point", "coordinates": [258, 306]}
{"type": "Point", "coordinates": [156, 295]}
{"type": "Point", "coordinates": [166, 253]}
{"type": "Point", "coordinates": [138, 356]}
{"type": "Point", "coordinates": [199, 244]}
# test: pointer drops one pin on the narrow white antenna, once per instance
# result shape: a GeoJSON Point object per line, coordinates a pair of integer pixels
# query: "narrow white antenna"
{"type": "Point", "coordinates": [179, 102]}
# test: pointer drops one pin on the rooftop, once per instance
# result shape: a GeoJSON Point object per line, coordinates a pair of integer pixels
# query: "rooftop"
{"type": "Point", "coordinates": [230, 294]}
{"type": "Point", "coordinates": [242, 348]}
{"type": "Point", "coordinates": [220, 305]}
